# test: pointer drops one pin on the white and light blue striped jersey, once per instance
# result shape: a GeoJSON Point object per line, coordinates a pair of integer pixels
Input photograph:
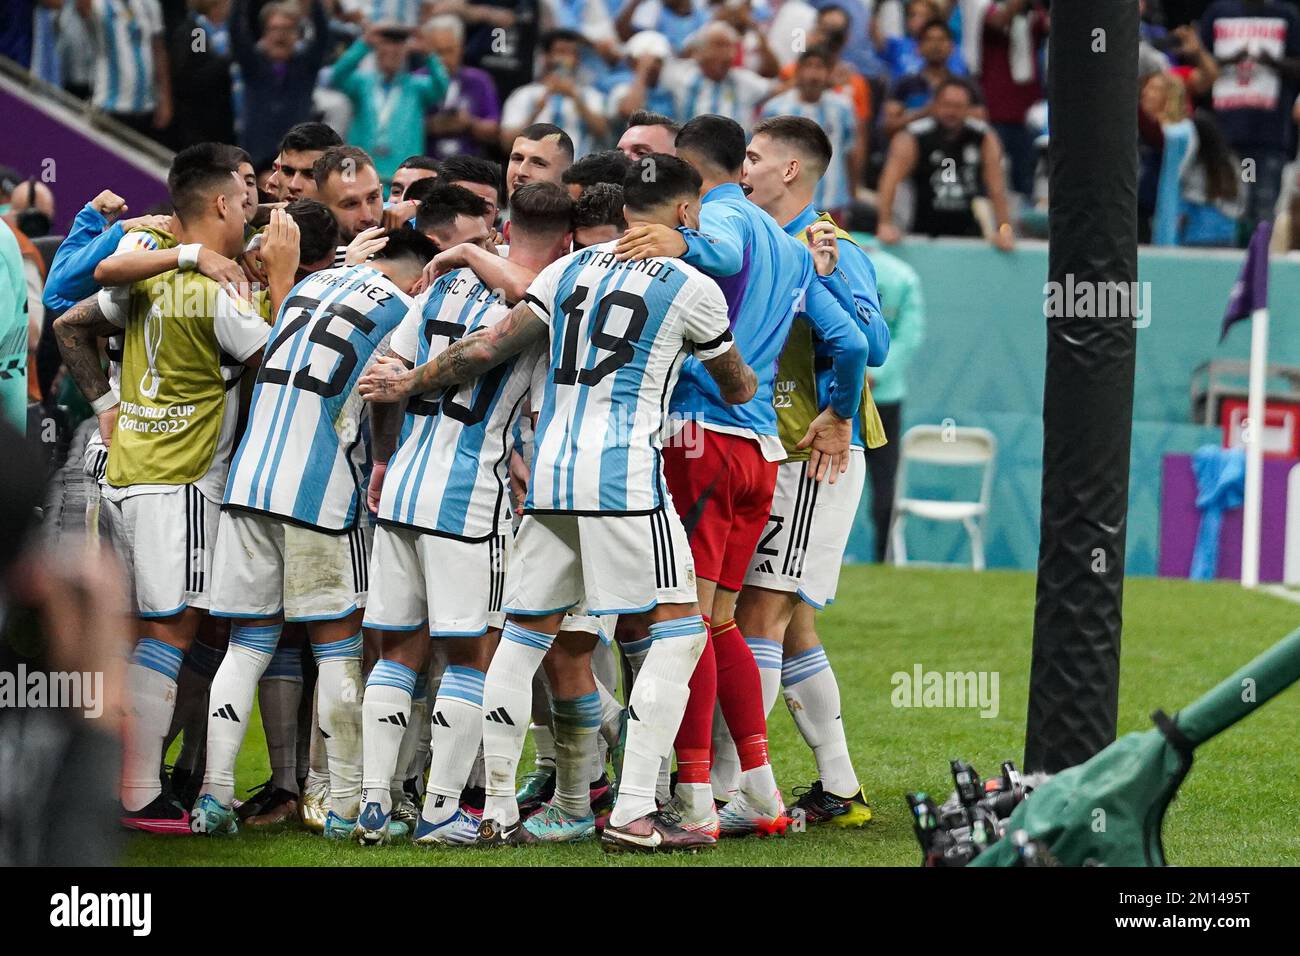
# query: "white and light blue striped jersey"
{"type": "Point", "coordinates": [405, 12]}
{"type": "Point", "coordinates": [302, 456]}
{"type": "Point", "coordinates": [449, 475]}
{"type": "Point", "coordinates": [834, 114]}
{"type": "Point", "coordinates": [124, 31]}
{"type": "Point", "coordinates": [736, 95]}
{"type": "Point", "coordinates": [618, 334]}
{"type": "Point", "coordinates": [560, 110]}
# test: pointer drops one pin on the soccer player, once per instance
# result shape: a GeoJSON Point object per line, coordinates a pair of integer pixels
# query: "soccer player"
{"type": "Point", "coordinates": [648, 133]}
{"type": "Point", "coordinates": [797, 562]}
{"type": "Point", "coordinates": [186, 340]}
{"type": "Point", "coordinates": [480, 176]}
{"type": "Point", "coordinates": [413, 168]}
{"type": "Point", "coordinates": [291, 176]}
{"type": "Point", "coordinates": [608, 166]}
{"type": "Point", "coordinates": [813, 97]}
{"type": "Point", "coordinates": [598, 216]}
{"type": "Point", "coordinates": [721, 466]}
{"type": "Point", "coordinates": [444, 537]}
{"type": "Point", "coordinates": [450, 215]}
{"type": "Point", "coordinates": [540, 153]}
{"type": "Point", "coordinates": [292, 544]}
{"type": "Point", "coordinates": [348, 183]}
{"type": "Point", "coordinates": [599, 528]}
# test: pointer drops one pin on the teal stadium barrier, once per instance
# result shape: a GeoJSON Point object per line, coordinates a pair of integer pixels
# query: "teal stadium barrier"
{"type": "Point", "coordinates": [982, 364]}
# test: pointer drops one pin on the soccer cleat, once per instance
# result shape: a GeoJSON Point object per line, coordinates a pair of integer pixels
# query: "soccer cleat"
{"type": "Point", "coordinates": [538, 787]}
{"type": "Point", "coordinates": [162, 815]}
{"type": "Point", "coordinates": [656, 832]}
{"type": "Point", "coordinates": [213, 818]}
{"type": "Point", "coordinates": [268, 806]}
{"type": "Point", "coordinates": [312, 809]}
{"type": "Point", "coordinates": [492, 833]}
{"type": "Point", "coordinates": [550, 824]}
{"type": "Point", "coordinates": [337, 827]}
{"type": "Point", "coordinates": [460, 829]}
{"type": "Point", "coordinates": [372, 827]}
{"type": "Point", "coordinates": [405, 815]}
{"type": "Point", "coordinates": [603, 796]}
{"type": "Point", "coordinates": [706, 823]}
{"type": "Point", "coordinates": [741, 817]}
{"type": "Point", "coordinates": [819, 805]}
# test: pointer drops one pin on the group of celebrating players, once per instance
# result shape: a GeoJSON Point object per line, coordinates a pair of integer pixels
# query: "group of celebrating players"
{"type": "Point", "coordinates": [491, 475]}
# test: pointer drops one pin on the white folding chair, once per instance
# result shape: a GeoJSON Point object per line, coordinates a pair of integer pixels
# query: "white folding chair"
{"type": "Point", "coordinates": [944, 446]}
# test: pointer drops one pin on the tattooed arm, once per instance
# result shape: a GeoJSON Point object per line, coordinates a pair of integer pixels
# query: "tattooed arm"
{"type": "Point", "coordinates": [734, 378]}
{"type": "Point", "coordinates": [388, 380]}
{"type": "Point", "coordinates": [77, 332]}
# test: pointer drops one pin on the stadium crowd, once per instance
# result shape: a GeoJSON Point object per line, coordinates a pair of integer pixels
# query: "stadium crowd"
{"type": "Point", "coordinates": [529, 441]}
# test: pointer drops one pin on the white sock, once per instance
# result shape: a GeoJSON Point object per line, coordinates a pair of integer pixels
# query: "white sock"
{"type": "Point", "coordinates": [318, 768]}
{"type": "Point", "coordinates": [611, 716]}
{"type": "Point", "coordinates": [154, 668]}
{"type": "Point", "coordinates": [507, 697]}
{"type": "Point", "coordinates": [577, 725]}
{"type": "Point", "coordinates": [655, 712]}
{"type": "Point", "coordinates": [696, 800]}
{"type": "Point", "coordinates": [724, 773]}
{"type": "Point", "coordinates": [767, 655]}
{"type": "Point", "coordinates": [457, 733]}
{"type": "Point", "coordinates": [813, 697]}
{"type": "Point", "coordinates": [634, 652]}
{"type": "Point", "coordinates": [543, 734]}
{"type": "Point", "coordinates": [385, 718]}
{"type": "Point", "coordinates": [417, 729]}
{"type": "Point", "coordinates": [279, 694]}
{"type": "Point", "coordinates": [339, 689]}
{"type": "Point", "coordinates": [230, 703]}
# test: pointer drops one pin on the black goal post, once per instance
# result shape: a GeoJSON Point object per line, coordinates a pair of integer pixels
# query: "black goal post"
{"type": "Point", "coordinates": [1088, 391]}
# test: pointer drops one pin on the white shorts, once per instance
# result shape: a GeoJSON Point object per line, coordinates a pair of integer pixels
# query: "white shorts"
{"type": "Point", "coordinates": [266, 567]}
{"type": "Point", "coordinates": [454, 586]}
{"type": "Point", "coordinates": [608, 564]}
{"type": "Point", "coordinates": [165, 538]}
{"type": "Point", "coordinates": [803, 543]}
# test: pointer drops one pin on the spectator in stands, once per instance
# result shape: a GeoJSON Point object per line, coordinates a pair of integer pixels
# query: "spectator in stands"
{"type": "Point", "coordinates": [1211, 189]}
{"type": "Point", "coordinates": [648, 133]}
{"type": "Point", "coordinates": [1257, 46]}
{"type": "Point", "coordinates": [607, 166]}
{"type": "Point", "coordinates": [1166, 143]}
{"type": "Point", "coordinates": [200, 57]}
{"type": "Point", "coordinates": [952, 160]}
{"type": "Point", "coordinates": [598, 215]}
{"type": "Point", "coordinates": [812, 98]}
{"type": "Point", "coordinates": [132, 75]}
{"type": "Point", "coordinates": [469, 117]}
{"type": "Point", "coordinates": [593, 20]}
{"type": "Point", "coordinates": [76, 52]}
{"type": "Point", "coordinates": [279, 74]}
{"type": "Point", "coordinates": [557, 97]}
{"type": "Point", "coordinates": [709, 83]}
{"type": "Point", "coordinates": [540, 153]}
{"type": "Point", "coordinates": [480, 176]}
{"type": "Point", "coordinates": [910, 97]}
{"type": "Point", "coordinates": [903, 307]}
{"type": "Point", "coordinates": [678, 20]}
{"type": "Point", "coordinates": [831, 33]}
{"type": "Point", "coordinates": [412, 169]}
{"type": "Point", "coordinates": [389, 102]}
{"type": "Point", "coordinates": [32, 206]}
{"type": "Point", "coordinates": [1001, 43]}
{"type": "Point", "coordinates": [296, 156]}
{"type": "Point", "coordinates": [406, 13]}
{"type": "Point", "coordinates": [502, 38]}
{"type": "Point", "coordinates": [903, 55]}
{"type": "Point", "coordinates": [648, 51]}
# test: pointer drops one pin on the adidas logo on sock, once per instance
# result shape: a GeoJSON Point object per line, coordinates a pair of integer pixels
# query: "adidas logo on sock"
{"type": "Point", "coordinates": [226, 711]}
{"type": "Point", "coordinates": [765, 568]}
{"type": "Point", "coordinates": [440, 720]}
{"type": "Point", "coordinates": [499, 716]}
{"type": "Point", "coordinates": [399, 719]}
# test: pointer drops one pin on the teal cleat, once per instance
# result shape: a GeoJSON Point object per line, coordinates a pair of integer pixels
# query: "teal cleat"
{"type": "Point", "coordinates": [550, 824]}
{"type": "Point", "coordinates": [212, 818]}
{"type": "Point", "coordinates": [338, 828]}
{"type": "Point", "coordinates": [538, 787]}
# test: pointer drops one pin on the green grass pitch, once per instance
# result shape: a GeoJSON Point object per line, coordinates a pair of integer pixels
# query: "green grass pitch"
{"type": "Point", "coordinates": [1234, 809]}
